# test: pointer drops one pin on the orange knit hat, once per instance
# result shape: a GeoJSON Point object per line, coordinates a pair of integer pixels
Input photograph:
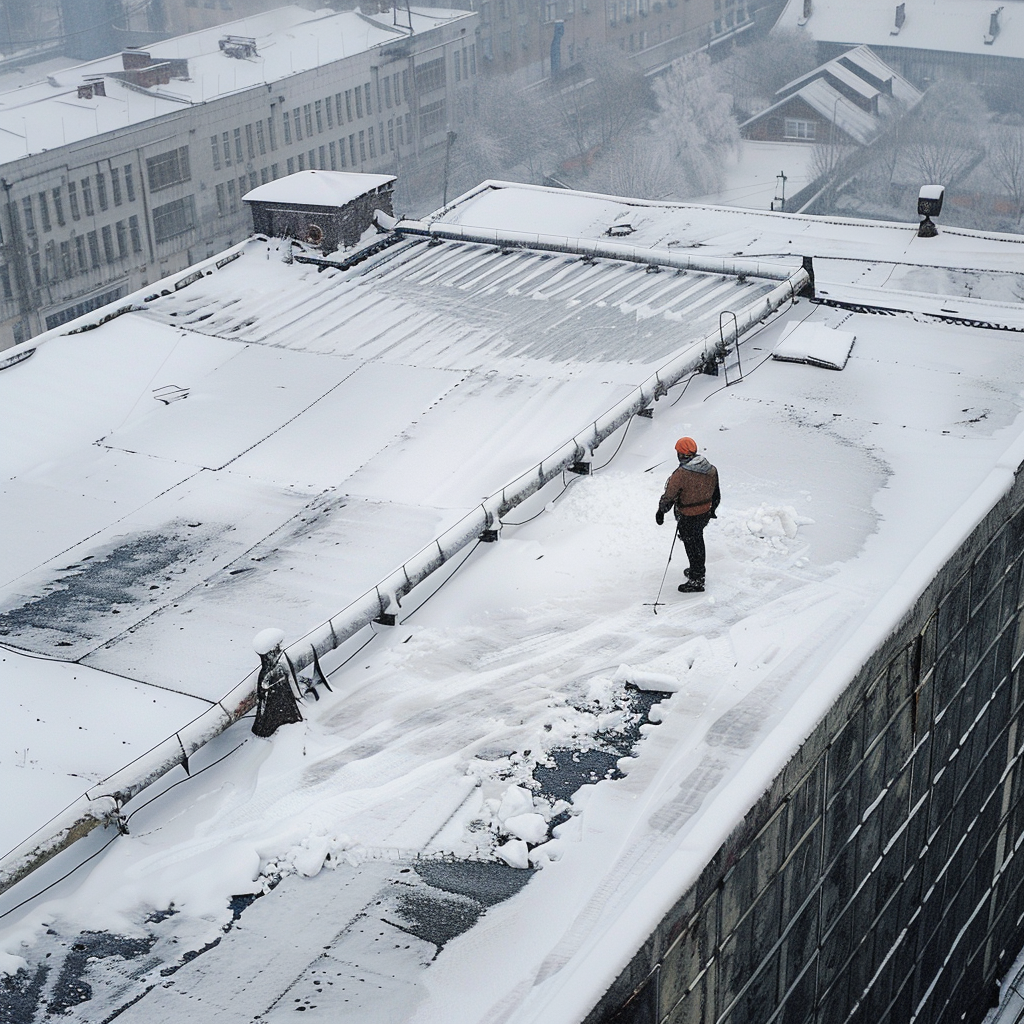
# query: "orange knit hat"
{"type": "Point", "coordinates": [686, 446]}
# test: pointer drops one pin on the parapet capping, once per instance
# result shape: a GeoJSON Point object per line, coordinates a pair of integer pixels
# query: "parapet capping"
{"type": "Point", "coordinates": [984, 539]}
{"type": "Point", "coordinates": [102, 804]}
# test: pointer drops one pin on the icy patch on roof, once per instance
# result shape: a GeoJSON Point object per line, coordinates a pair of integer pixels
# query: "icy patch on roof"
{"type": "Point", "coordinates": [816, 344]}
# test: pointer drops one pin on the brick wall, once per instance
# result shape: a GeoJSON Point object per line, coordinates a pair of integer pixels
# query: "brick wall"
{"type": "Point", "coordinates": [879, 879]}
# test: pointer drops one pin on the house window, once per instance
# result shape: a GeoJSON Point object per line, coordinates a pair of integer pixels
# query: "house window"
{"type": "Point", "coordinates": [238, 145]}
{"type": "Point", "coordinates": [83, 265]}
{"type": "Point", "coordinates": [318, 107]}
{"type": "Point", "coordinates": [166, 169]}
{"type": "Point", "coordinates": [796, 128]}
{"type": "Point", "coordinates": [58, 206]}
{"type": "Point", "coordinates": [108, 243]}
{"type": "Point", "coordinates": [122, 240]}
{"type": "Point", "coordinates": [73, 200]}
{"type": "Point", "coordinates": [94, 249]}
{"type": "Point", "coordinates": [101, 190]}
{"type": "Point", "coordinates": [250, 145]}
{"type": "Point", "coordinates": [366, 90]}
{"type": "Point", "coordinates": [430, 76]}
{"type": "Point", "coordinates": [261, 140]}
{"type": "Point", "coordinates": [432, 118]}
{"type": "Point", "coordinates": [359, 102]}
{"type": "Point", "coordinates": [115, 182]}
{"type": "Point", "coordinates": [287, 128]}
{"type": "Point", "coordinates": [133, 228]}
{"type": "Point", "coordinates": [173, 219]}
{"type": "Point", "coordinates": [30, 221]}
{"type": "Point", "coordinates": [129, 183]}
{"type": "Point", "coordinates": [296, 125]}
{"type": "Point", "coordinates": [44, 211]}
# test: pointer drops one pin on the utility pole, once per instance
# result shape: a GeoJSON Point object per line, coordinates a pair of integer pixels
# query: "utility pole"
{"type": "Point", "coordinates": [447, 158]}
{"type": "Point", "coordinates": [780, 192]}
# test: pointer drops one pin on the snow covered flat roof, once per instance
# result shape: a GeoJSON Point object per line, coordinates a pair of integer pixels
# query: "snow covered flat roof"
{"type": "Point", "coordinates": [289, 40]}
{"type": "Point", "coordinates": [318, 188]}
{"type": "Point", "coordinates": [955, 26]}
{"type": "Point", "coordinates": [333, 421]}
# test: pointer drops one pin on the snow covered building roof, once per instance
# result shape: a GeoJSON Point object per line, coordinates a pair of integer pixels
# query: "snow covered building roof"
{"type": "Point", "coordinates": [856, 93]}
{"type": "Point", "coordinates": [267, 436]}
{"type": "Point", "coordinates": [913, 35]}
{"type": "Point", "coordinates": [318, 188]}
{"type": "Point", "coordinates": [67, 107]}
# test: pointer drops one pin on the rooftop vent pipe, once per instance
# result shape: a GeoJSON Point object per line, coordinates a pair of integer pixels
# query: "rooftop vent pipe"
{"type": "Point", "coordinates": [993, 26]}
{"type": "Point", "coordinates": [901, 17]}
{"type": "Point", "coordinates": [929, 204]}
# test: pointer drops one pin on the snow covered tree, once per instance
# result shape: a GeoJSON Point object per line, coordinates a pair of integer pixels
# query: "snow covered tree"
{"type": "Point", "coordinates": [695, 121]}
{"type": "Point", "coordinates": [945, 140]}
{"type": "Point", "coordinates": [1005, 162]}
{"type": "Point", "coordinates": [755, 72]}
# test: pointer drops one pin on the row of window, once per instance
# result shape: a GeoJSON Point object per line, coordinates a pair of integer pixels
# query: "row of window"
{"type": "Point", "coordinates": [35, 210]}
{"type": "Point", "coordinates": [79, 308]}
{"type": "Point", "coordinates": [80, 254]}
{"type": "Point", "coordinates": [464, 61]}
{"type": "Point", "coordinates": [550, 9]}
{"type": "Point", "coordinates": [795, 128]}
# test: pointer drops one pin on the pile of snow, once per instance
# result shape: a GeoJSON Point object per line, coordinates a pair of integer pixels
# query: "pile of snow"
{"type": "Point", "coordinates": [816, 344]}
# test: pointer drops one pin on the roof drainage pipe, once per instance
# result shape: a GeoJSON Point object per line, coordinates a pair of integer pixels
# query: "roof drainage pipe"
{"type": "Point", "coordinates": [1011, 1004]}
{"type": "Point", "coordinates": [103, 803]}
{"type": "Point", "coordinates": [594, 249]}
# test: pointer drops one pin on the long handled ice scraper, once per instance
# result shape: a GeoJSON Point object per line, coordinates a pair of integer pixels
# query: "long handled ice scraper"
{"type": "Point", "coordinates": [658, 601]}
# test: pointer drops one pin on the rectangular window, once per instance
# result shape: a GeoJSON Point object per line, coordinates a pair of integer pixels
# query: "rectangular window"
{"type": "Point", "coordinates": [330, 113]}
{"type": "Point", "coordinates": [405, 84]}
{"type": "Point", "coordinates": [373, 150]}
{"type": "Point", "coordinates": [798, 129]}
{"type": "Point", "coordinates": [51, 260]}
{"type": "Point", "coordinates": [410, 139]}
{"type": "Point", "coordinates": [272, 132]}
{"type": "Point", "coordinates": [101, 190]}
{"type": "Point", "coordinates": [359, 102]}
{"type": "Point", "coordinates": [432, 118]}
{"type": "Point", "coordinates": [323, 158]}
{"type": "Point", "coordinates": [472, 58]}
{"type": "Point", "coordinates": [222, 200]}
{"type": "Point", "coordinates": [83, 264]}
{"type": "Point", "coordinates": [243, 184]}
{"type": "Point", "coordinates": [334, 156]}
{"type": "Point", "coordinates": [87, 197]}
{"type": "Point", "coordinates": [122, 240]}
{"type": "Point", "coordinates": [398, 95]}
{"type": "Point", "coordinates": [362, 147]}
{"type": "Point", "coordinates": [291, 165]}
{"type": "Point", "coordinates": [341, 154]}
{"type": "Point", "coordinates": [401, 141]}
{"type": "Point", "coordinates": [302, 161]}
{"type": "Point", "coordinates": [253, 180]}
{"type": "Point", "coordinates": [133, 227]}
{"type": "Point", "coordinates": [307, 113]}
{"type": "Point", "coordinates": [44, 211]}
{"type": "Point", "coordinates": [261, 140]}
{"type": "Point", "coordinates": [387, 92]}
{"type": "Point", "coordinates": [264, 176]}
{"type": "Point", "coordinates": [369, 109]}
{"type": "Point", "coordinates": [108, 244]}
{"type": "Point", "coordinates": [319, 108]}
{"type": "Point", "coordinates": [5, 275]}
{"type": "Point", "coordinates": [238, 145]}
{"type": "Point", "coordinates": [215, 149]}
{"type": "Point", "coordinates": [37, 270]}
{"type": "Point", "coordinates": [115, 185]}
{"type": "Point", "coordinates": [296, 125]}
{"type": "Point", "coordinates": [225, 145]}
{"type": "Point", "coordinates": [352, 148]}
{"type": "Point", "coordinates": [250, 144]}
{"type": "Point", "coordinates": [274, 171]}
{"type": "Point", "coordinates": [168, 169]}
{"type": "Point", "coordinates": [58, 207]}
{"type": "Point", "coordinates": [458, 66]}
{"type": "Point", "coordinates": [391, 135]}
{"type": "Point", "coordinates": [73, 200]}
{"type": "Point", "coordinates": [26, 209]}
{"type": "Point", "coordinates": [430, 76]}
{"type": "Point", "coordinates": [312, 160]}
{"type": "Point", "coordinates": [129, 183]}
{"type": "Point", "coordinates": [348, 104]}
{"type": "Point", "coordinates": [287, 128]}
{"type": "Point", "coordinates": [173, 219]}
{"type": "Point", "coordinates": [94, 249]}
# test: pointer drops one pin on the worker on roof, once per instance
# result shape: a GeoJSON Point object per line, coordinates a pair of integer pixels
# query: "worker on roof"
{"type": "Point", "coordinates": [693, 494]}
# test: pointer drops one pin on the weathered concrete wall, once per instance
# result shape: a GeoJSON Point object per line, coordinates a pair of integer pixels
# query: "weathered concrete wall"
{"type": "Point", "coordinates": [879, 879]}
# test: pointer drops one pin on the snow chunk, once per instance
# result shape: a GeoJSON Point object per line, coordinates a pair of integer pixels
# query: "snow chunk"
{"type": "Point", "coordinates": [266, 640]}
{"type": "Point", "coordinates": [646, 680]}
{"type": "Point", "coordinates": [11, 964]}
{"type": "Point", "coordinates": [516, 801]}
{"type": "Point", "coordinates": [530, 827]}
{"type": "Point", "coordinates": [546, 854]}
{"type": "Point", "coordinates": [515, 853]}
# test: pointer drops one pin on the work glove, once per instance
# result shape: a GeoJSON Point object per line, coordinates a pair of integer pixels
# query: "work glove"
{"type": "Point", "coordinates": [659, 518]}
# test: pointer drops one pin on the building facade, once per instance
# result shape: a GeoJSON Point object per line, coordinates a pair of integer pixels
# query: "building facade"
{"type": "Point", "coordinates": [88, 221]}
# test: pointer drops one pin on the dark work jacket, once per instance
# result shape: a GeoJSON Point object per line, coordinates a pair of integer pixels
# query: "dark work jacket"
{"type": "Point", "coordinates": [692, 490]}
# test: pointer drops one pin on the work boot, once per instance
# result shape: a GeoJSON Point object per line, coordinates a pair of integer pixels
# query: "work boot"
{"type": "Point", "coordinates": [694, 585]}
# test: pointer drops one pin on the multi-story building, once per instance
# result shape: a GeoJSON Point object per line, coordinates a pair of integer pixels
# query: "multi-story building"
{"type": "Point", "coordinates": [122, 170]}
{"type": "Point", "coordinates": [538, 38]}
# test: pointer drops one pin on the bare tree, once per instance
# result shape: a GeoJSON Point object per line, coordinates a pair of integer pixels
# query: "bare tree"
{"type": "Point", "coordinates": [757, 71]}
{"type": "Point", "coordinates": [944, 141]}
{"type": "Point", "coordinates": [1005, 162]}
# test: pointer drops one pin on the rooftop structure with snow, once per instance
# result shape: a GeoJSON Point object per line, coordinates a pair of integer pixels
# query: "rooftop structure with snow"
{"type": "Point", "coordinates": [529, 786]}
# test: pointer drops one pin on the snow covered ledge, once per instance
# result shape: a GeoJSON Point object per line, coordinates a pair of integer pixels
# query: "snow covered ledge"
{"type": "Point", "coordinates": [885, 857]}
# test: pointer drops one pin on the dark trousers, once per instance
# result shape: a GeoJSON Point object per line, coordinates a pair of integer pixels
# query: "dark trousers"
{"type": "Point", "coordinates": [691, 533]}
